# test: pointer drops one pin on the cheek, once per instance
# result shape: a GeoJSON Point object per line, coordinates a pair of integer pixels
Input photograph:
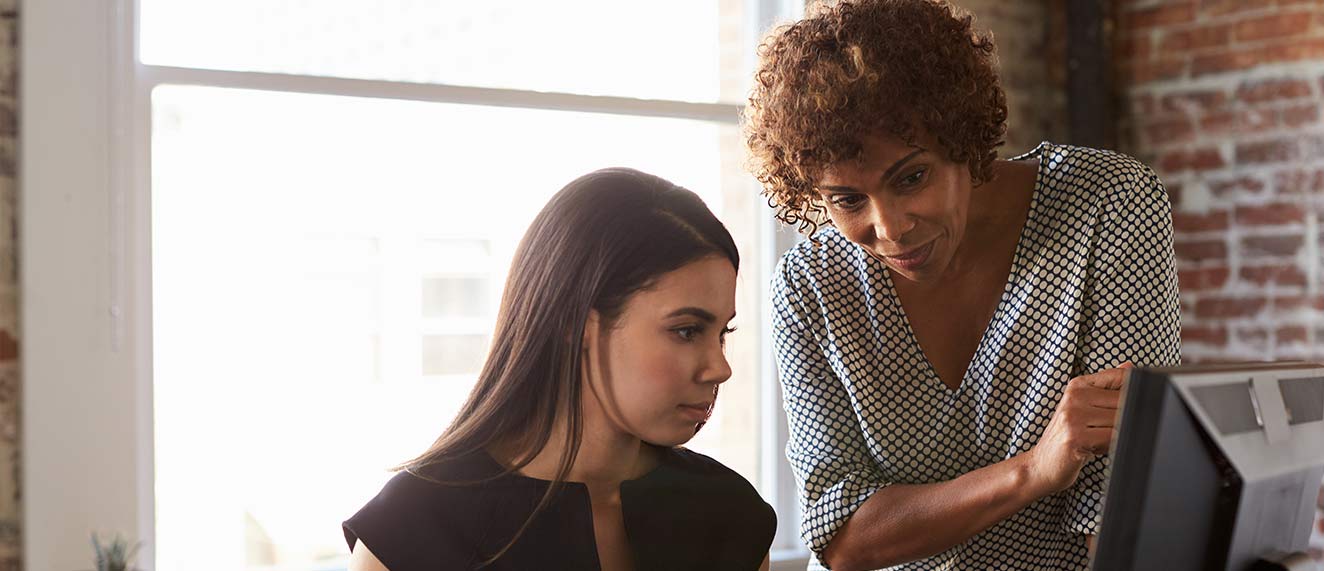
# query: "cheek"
{"type": "Point", "coordinates": [945, 205]}
{"type": "Point", "coordinates": [648, 378]}
{"type": "Point", "coordinates": [854, 228]}
{"type": "Point", "coordinates": [662, 378]}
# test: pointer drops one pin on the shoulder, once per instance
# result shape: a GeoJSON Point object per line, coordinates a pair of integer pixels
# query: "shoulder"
{"type": "Point", "coordinates": [709, 475]}
{"type": "Point", "coordinates": [726, 523]}
{"type": "Point", "coordinates": [423, 513]}
{"type": "Point", "coordinates": [825, 262]}
{"type": "Point", "coordinates": [717, 486]}
{"type": "Point", "coordinates": [701, 465]}
{"type": "Point", "coordinates": [1105, 179]}
{"type": "Point", "coordinates": [826, 246]}
{"type": "Point", "coordinates": [439, 479]}
{"type": "Point", "coordinates": [1068, 161]}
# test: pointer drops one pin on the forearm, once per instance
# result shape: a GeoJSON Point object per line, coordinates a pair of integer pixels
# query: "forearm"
{"type": "Point", "coordinates": [903, 522]}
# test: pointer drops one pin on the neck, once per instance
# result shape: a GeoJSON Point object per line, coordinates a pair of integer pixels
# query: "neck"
{"type": "Point", "coordinates": [606, 456]}
{"type": "Point", "coordinates": [997, 213]}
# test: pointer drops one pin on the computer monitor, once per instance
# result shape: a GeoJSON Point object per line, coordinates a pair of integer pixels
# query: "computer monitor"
{"type": "Point", "coordinates": [1214, 468]}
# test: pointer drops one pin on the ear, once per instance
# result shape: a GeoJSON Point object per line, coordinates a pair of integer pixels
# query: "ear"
{"type": "Point", "coordinates": [592, 329]}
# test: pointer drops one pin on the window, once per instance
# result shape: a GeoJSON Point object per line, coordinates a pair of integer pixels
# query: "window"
{"type": "Point", "coordinates": [313, 208]}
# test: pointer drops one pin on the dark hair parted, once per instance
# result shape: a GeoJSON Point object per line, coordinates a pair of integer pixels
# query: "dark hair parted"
{"type": "Point", "coordinates": [602, 238]}
{"type": "Point", "coordinates": [860, 67]}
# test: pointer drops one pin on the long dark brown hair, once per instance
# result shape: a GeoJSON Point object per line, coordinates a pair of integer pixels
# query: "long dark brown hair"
{"type": "Point", "coordinates": [603, 237]}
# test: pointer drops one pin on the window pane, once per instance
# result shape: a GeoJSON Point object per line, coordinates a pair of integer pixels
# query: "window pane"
{"type": "Point", "coordinates": [453, 354]}
{"type": "Point", "coordinates": [308, 255]}
{"type": "Point", "coordinates": [691, 50]}
{"type": "Point", "coordinates": [455, 296]}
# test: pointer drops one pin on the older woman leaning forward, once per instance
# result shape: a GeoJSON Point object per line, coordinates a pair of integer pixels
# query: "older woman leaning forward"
{"type": "Point", "coordinates": [951, 340]}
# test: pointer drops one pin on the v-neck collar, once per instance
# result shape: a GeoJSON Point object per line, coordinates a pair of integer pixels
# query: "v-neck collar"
{"type": "Point", "coordinates": [1017, 260]}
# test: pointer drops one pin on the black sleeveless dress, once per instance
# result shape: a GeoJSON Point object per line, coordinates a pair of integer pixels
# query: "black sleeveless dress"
{"type": "Point", "coordinates": [690, 513]}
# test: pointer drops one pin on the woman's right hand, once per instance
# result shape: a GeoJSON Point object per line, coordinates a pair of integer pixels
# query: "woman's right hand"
{"type": "Point", "coordinates": [1081, 428]}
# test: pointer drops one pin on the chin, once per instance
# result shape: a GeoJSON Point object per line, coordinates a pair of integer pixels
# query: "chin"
{"type": "Point", "coordinates": [670, 439]}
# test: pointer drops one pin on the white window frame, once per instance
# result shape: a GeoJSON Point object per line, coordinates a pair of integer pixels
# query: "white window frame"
{"type": "Point", "coordinates": [85, 249]}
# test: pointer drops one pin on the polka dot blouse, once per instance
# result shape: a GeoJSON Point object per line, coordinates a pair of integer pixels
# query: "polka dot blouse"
{"type": "Point", "coordinates": [1092, 284]}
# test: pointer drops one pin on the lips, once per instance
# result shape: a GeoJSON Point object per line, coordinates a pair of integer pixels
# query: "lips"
{"type": "Point", "coordinates": [912, 259]}
{"type": "Point", "coordinates": [698, 412]}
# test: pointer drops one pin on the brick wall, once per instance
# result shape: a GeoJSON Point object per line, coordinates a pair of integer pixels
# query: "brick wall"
{"type": "Point", "coordinates": [10, 540]}
{"type": "Point", "coordinates": [1223, 98]}
{"type": "Point", "coordinates": [1029, 66]}
{"type": "Point", "coordinates": [10, 516]}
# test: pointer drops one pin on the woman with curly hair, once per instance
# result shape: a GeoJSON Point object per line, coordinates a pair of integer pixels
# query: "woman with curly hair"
{"type": "Point", "coordinates": [952, 337]}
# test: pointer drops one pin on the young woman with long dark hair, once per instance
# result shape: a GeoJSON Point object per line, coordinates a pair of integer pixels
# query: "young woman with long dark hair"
{"type": "Point", "coordinates": [607, 355]}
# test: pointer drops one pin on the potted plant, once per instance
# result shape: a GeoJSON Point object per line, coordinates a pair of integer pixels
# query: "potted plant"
{"type": "Point", "coordinates": [114, 555]}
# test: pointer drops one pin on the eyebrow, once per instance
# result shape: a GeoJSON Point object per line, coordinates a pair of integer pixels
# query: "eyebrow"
{"type": "Point", "coordinates": [697, 312]}
{"type": "Point", "coordinates": [886, 174]}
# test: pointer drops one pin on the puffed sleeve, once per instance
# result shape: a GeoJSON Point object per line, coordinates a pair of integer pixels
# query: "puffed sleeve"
{"type": "Point", "coordinates": [1131, 310]}
{"type": "Point", "coordinates": [827, 451]}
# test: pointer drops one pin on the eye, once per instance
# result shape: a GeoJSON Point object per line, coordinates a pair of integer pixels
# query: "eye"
{"type": "Point", "coordinates": [846, 201]}
{"type": "Point", "coordinates": [913, 179]}
{"type": "Point", "coordinates": [726, 331]}
{"type": "Point", "coordinates": [688, 333]}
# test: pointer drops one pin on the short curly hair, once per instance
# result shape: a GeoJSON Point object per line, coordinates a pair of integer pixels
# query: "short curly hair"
{"type": "Point", "coordinates": [859, 67]}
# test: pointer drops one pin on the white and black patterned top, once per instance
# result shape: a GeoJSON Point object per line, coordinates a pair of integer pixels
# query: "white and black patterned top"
{"type": "Point", "coordinates": [1092, 284]}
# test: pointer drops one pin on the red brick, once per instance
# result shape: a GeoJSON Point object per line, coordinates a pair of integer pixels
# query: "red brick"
{"type": "Point", "coordinates": [1270, 214]}
{"type": "Point", "coordinates": [1200, 250]}
{"type": "Point", "coordinates": [1260, 246]}
{"type": "Point", "coordinates": [1222, 61]}
{"type": "Point", "coordinates": [1133, 47]}
{"type": "Point", "coordinates": [1290, 306]}
{"type": "Point", "coordinates": [1225, 307]}
{"type": "Point", "coordinates": [1236, 59]}
{"type": "Point", "coordinates": [1285, 275]}
{"type": "Point", "coordinates": [1224, 7]}
{"type": "Point", "coordinates": [1192, 159]}
{"type": "Point", "coordinates": [1189, 222]}
{"type": "Point", "coordinates": [1219, 123]}
{"type": "Point", "coordinates": [1273, 90]}
{"type": "Point", "coordinates": [1298, 181]}
{"type": "Point", "coordinates": [1300, 115]}
{"type": "Point", "coordinates": [1296, 49]}
{"type": "Point", "coordinates": [1142, 72]}
{"type": "Point", "coordinates": [1193, 102]}
{"type": "Point", "coordinates": [1195, 39]}
{"type": "Point", "coordinates": [8, 347]}
{"type": "Point", "coordinates": [1209, 335]}
{"type": "Point", "coordinates": [1168, 131]}
{"type": "Point", "coordinates": [1202, 279]}
{"type": "Point", "coordinates": [1272, 151]}
{"type": "Point", "coordinates": [1273, 26]}
{"type": "Point", "coordinates": [1291, 334]}
{"type": "Point", "coordinates": [1162, 15]}
{"type": "Point", "coordinates": [1239, 186]}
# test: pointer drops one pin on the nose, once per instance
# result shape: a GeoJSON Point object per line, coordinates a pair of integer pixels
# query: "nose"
{"type": "Point", "coordinates": [891, 221]}
{"type": "Point", "coordinates": [718, 369]}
